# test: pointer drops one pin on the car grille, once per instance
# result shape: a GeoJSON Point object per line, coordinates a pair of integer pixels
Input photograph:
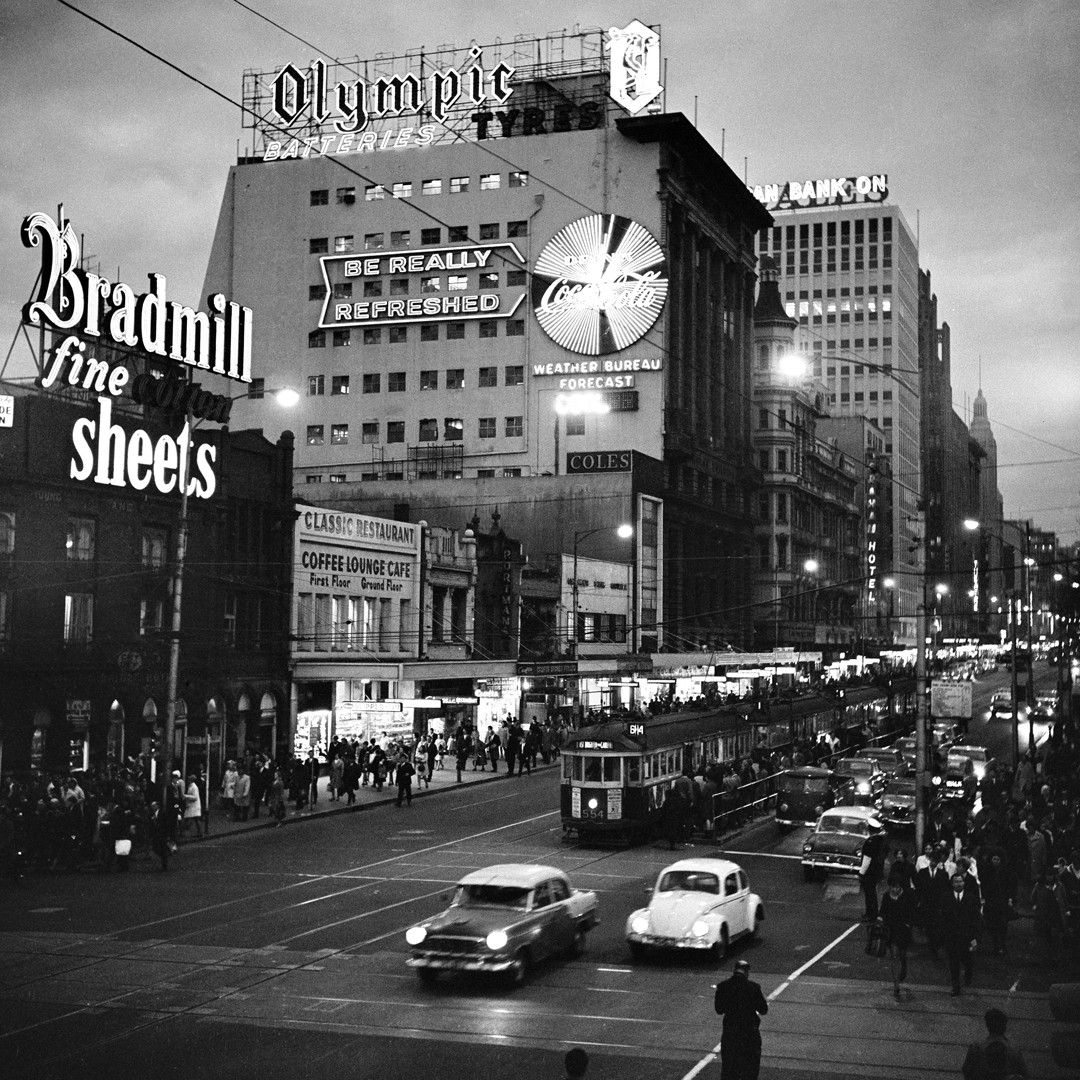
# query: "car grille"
{"type": "Point", "coordinates": [452, 946]}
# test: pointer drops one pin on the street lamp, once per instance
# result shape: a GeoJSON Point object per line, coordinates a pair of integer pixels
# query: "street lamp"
{"type": "Point", "coordinates": [624, 532]}
{"type": "Point", "coordinates": [284, 397]}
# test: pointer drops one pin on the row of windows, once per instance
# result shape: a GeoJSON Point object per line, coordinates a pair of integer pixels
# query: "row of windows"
{"type": "Point", "coordinates": [80, 540]}
{"type": "Point", "coordinates": [453, 430]}
{"type": "Point", "coordinates": [404, 189]}
{"type": "Point", "coordinates": [399, 335]}
{"type": "Point", "coordinates": [396, 471]}
{"type": "Point", "coordinates": [327, 623]}
{"type": "Point", "coordinates": [831, 344]}
{"type": "Point", "coordinates": [785, 235]}
{"type": "Point", "coordinates": [397, 381]}
{"type": "Point", "coordinates": [402, 238]}
{"type": "Point", "coordinates": [857, 290]}
{"type": "Point", "coordinates": [829, 266]}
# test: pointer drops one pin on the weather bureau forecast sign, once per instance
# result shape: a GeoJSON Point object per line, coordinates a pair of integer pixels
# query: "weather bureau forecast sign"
{"type": "Point", "coordinates": [444, 286]}
{"type": "Point", "coordinates": [600, 284]}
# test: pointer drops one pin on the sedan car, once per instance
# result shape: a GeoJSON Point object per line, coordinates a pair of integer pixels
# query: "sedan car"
{"type": "Point", "coordinates": [898, 802]}
{"type": "Point", "coordinates": [867, 776]}
{"type": "Point", "coordinates": [696, 904]}
{"type": "Point", "coordinates": [836, 844]}
{"type": "Point", "coordinates": [1001, 703]}
{"type": "Point", "coordinates": [806, 791]}
{"type": "Point", "coordinates": [959, 781]}
{"type": "Point", "coordinates": [889, 758]}
{"type": "Point", "coordinates": [981, 758]}
{"type": "Point", "coordinates": [504, 919]}
{"type": "Point", "coordinates": [1045, 707]}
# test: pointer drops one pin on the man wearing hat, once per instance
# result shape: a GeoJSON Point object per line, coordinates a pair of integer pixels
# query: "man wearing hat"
{"type": "Point", "coordinates": [741, 1003]}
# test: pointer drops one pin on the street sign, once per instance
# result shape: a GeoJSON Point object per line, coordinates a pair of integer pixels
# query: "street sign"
{"type": "Point", "coordinates": [371, 706]}
{"type": "Point", "coordinates": [7, 410]}
{"type": "Point", "coordinates": [950, 699]}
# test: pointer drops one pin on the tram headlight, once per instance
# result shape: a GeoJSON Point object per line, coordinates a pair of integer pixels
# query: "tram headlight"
{"type": "Point", "coordinates": [640, 924]}
{"type": "Point", "coordinates": [593, 804]}
{"type": "Point", "coordinates": [415, 935]}
{"type": "Point", "coordinates": [700, 928]}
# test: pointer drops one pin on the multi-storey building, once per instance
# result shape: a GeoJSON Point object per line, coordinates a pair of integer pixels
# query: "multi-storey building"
{"type": "Point", "coordinates": [540, 299]}
{"type": "Point", "coordinates": [849, 273]}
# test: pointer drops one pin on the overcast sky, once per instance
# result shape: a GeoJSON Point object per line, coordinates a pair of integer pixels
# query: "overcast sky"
{"type": "Point", "coordinates": [972, 108]}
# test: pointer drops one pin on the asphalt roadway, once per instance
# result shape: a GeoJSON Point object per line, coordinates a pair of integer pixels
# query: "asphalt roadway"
{"type": "Point", "coordinates": [277, 952]}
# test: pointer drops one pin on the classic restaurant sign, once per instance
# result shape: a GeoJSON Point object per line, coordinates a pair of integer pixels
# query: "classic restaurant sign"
{"type": "Point", "coordinates": [599, 284]}
{"type": "Point", "coordinates": [437, 302]}
{"type": "Point", "coordinates": [831, 191]}
{"type": "Point", "coordinates": [70, 298]}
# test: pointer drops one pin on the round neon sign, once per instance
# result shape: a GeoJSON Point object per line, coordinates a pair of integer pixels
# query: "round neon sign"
{"type": "Point", "coordinates": [600, 284]}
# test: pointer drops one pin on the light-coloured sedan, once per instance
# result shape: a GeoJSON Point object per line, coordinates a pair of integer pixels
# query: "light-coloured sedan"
{"type": "Point", "coordinates": [696, 904]}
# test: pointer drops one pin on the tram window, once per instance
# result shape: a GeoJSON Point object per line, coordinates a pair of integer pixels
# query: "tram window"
{"type": "Point", "coordinates": [633, 770]}
{"type": "Point", "coordinates": [613, 770]}
{"type": "Point", "coordinates": [577, 767]}
{"type": "Point", "coordinates": [568, 767]}
{"type": "Point", "coordinates": [592, 770]}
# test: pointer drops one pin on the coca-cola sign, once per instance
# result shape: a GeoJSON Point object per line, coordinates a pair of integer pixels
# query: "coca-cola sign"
{"type": "Point", "coordinates": [600, 284]}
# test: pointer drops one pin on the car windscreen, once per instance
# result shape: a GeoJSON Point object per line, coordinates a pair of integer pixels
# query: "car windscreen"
{"type": "Point", "coordinates": [804, 785]}
{"type": "Point", "coordinates": [844, 824]}
{"type": "Point", "coordinates": [689, 881]}
{"type": "Point", "coordinates": [507, 896]}
{"type": "Point", "coordinates": [903, 788]}
{"type": "Point", "coordinates": [855, 766]}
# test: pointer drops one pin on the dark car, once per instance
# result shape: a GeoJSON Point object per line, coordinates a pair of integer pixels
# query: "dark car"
{"type": "Point", "coordinates": [867, 776]}
{"type": "Point", "coordinates": [807, 792]}
{"type": "Point", "coordinates": [889, 758]}
{"type": "Point", "coordinates": [898, 802]}
{"type": "Point", "coordinates": [1001, 703]}
{"type": "Point", "coordinates": [836, 844]}
{"type": "Point", "coordinates": [959, 781]}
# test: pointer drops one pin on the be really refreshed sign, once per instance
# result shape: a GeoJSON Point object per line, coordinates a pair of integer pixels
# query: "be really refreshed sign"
{"type": "Point", "coordinates": [85, 305]}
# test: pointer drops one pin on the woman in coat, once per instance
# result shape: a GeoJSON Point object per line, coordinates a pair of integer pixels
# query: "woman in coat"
{"type": "Point", "coordinates": [897, 911]}
{"type": "Point", "coordinates": [192, 806]}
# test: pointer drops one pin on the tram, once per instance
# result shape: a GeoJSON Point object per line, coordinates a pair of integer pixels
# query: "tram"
{"type": "Point", "coordinates": [617, 773]}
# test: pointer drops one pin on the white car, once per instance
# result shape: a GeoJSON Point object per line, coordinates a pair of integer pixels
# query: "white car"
{"type": "Point", "coordinates": [699, 904]}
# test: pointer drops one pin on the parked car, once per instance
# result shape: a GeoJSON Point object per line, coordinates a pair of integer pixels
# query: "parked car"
{"type": "Point", "coordinates": [959, 780]}
{"type": "Point", "coordinates": [981, 758]}
{"type": "Point", "coordinates": [806, 792]}
{"type": "Point", "coordinates": [697, 904]}
{"type": "Point", "coordinates": [888, 757]}
{"type": "Point", "coordinates": [836, 844]}
{"type": "Point", "coordinates": [898, 802]}
{"type": "Point", "coordinates": [504, 919]}
{"type": "Point", "coordinates": [867, 776]}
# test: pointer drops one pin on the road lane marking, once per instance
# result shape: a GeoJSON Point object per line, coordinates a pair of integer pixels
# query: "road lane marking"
{"type": "Point", "coordinates": [714, 1053]}
{"type": "Point", "coordinates": [354, 918]}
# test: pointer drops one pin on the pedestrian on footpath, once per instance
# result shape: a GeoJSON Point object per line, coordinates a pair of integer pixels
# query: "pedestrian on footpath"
{"type": "Point", "coordinates": [241, 794]}
{"type": "Point", "coordinates": [995, 1057]}
{"type": "Point", "coordinates": [897, 912]}
{"type": "Point", "coordinates": [277, 797]}
{"type": "Point", "coordinates": [960, 916]}
{"type": "Point", "coordinates": [228, 788]}
{"type": "Point", "coordinates": [405, 771]}
{"type": "Point", "coordinates": [873, 856]}
{"type": "Point", "coordinates": [742, 1004]}
{"type": "Point", "coordinates": [192, 807]}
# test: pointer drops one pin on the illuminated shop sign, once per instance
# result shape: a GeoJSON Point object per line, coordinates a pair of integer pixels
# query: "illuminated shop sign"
{"type": "Point", "coordinates": [635, 65]}
{"type": "Point", "coordinates": [599, 285]}
{"type": "Point", "coordinates": [438, 267]}
{"type": "Point", "coordinates": [871, 539]}
{"type": "Point", "coordinates": [834, 191]}
{"type": "Point", "coordinates": [71, 298]}
{"type": "Point", "coordinates": [596, 374]}
{"type": "Point", "coordinates": [600, 461]}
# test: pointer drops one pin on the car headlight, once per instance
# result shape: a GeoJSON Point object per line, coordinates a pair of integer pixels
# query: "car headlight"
{"type": "Point", "coordinates": [783, 808]}
{"type": "Point", "coordinates": [700, 928]}
{"type": "Point", "coordinates": [496, 940]}
{"type": "Point", "coordinates": [936, 780]}
{"type": "Point", "coordinates": [415, 935]}
{"type": "Point", "coordinates": [640, 924]}
{"type": "Point", "coordinates": [807, 848]}
{"type": "Point", "coordinates": [864, 787]}
{"type": "Point", "coordinates": [819, 809]}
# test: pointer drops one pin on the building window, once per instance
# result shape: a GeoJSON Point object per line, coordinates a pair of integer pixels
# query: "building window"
{"type": "Point", "coordinates": [346, 195]}
{"type": "Point", "coordinates": [516, 229]}
{"type": "Point", "coordinates": [318, 245]}
{"type": "Point", "coordinates": [515, 427]}
{"type": "Point", "coordinates": [339, 384]}
{"type": "Point", "coordinates": [514, 375]}
{"type": "Point", "coordinates": [339, 434]}
{"type": "Point", "coordinates": [489, 281]}
{"type": "Point", "coordinates": [400, 238]}
{"type": "Point", "coordinates": [519, 179]}
{"type": "Point", "coordinates": [429, 331]}
{"type": "Point", "coordinates": [453, 429]}
{"type": "Point", "coordinates": [316, 339]}
{"type": "Point", "coordinates": [763, 419]}
{"type": "Point", "coordinates": [372, 335]}
{"type": "Point", "coordinates": [575, 425]}
{"type": "Point", "coordinates": [455, 379]}
{"type": "Point", "coordinates": [429, 380]}
{"type": "Point", "coordinates": [155, 543]}
{"type": "Point", "coordinates": [516, 471]}
{"type": "Point", "coordinates": [459, 185]}
{"type": "Point", "coordinates": [781, 461]}
{"type": "Point", "coordinates": [430, 284]}
{"type": "Point", "coordinates": [150, 617]}
{"type": "Point", "coordinates": [371, 382]}
{"type": "Point", "coordinates": [313, 478]}
{"type": "Point", "coordinates": [341, 290]}
{"type": "Point", "coordinates": [315, 435]}
{"type": "Point", "coordinates": [455, 331]}
{"type": "Point", "coordinates": [403, 189]}
{"type": "Point", "coordinates": [78, 618]}
{"type": "Point", "coordinates": [431, 187]}
{"type": "Point", "coordinates": [320, 197]}
{"type": "Point", "coordinates": [515, 277]}
{"type": "Point", "coordinates": [489, 376]}
{"type": "Point", "coordinates": [489, 181]}
{"type": "Point", "coordinates": [373, 241]}
{"type": "Point", "coordinates": [316, 385]}
{"type": "Point", "coordinates": [487, 427]}
{"type": "Point", "coordinates": [395, 431]}
{"type": "Point", "coordinates": [489, 230]}
{"type": "Point", "coordinates": [763, 460]}
{"type": "Point", "coordinates": [429, 430]}
{"type": "Point", "coordinates": [315, 292]}
{"type": "Point", "coordinates": [515, 327]}
{"type": "Point", "coordinates": [457, 283]}
{"type": "Point", "coordinates": [337, 478]}
{"type": "Point", "coordinates": [343, 244]}
{"type": "Point", "coordinates": [373, 192]}
{"type": "Point", "coordinates": [399, 335]}
{"type": "Point", "coordinates": [431, 236]}
{"type": "Point", "coordinates": [395, 382]}
{"type": "Point", "coordinates": [488, 328]}
{"type": "Point", "coordinates": [373, 288]}
{"type": "Point", "coordinates": [485, 474]}
{"type": "Point", "coordinates": [342, 337]}
{"type": "Point", "coordinates": [399, 286]}
{"type": "Point", "coordinates": [231, 605]}
{"type": "Point", "coordinates": [369, 431]}
{"type": "Point", "coordinates": [457, 234]}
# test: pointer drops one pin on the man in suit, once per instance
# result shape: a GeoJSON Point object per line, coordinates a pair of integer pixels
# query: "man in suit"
{"type": "Point", "coordinates": [741, 1003]}
{"type": "Point", "coordinates": [960, 923]}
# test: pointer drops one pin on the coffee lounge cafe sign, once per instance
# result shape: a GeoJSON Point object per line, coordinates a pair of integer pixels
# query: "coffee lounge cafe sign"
{"type": "Point", "coordinates": [71, 299]}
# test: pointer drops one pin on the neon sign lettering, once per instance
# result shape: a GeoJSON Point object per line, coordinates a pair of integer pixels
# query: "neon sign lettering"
{"type": "Point", "coordinates": [834, 191]}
